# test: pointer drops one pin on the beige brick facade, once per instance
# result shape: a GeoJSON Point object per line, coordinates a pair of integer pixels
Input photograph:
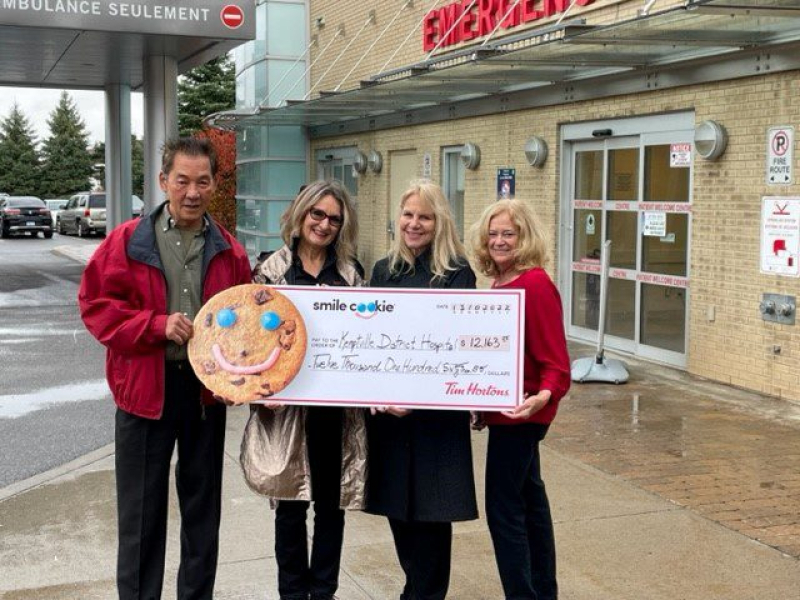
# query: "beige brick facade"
{"type": "Point", "coordinates": [403, 39]}
{"type": "Point", "coordinates": [735, 347]}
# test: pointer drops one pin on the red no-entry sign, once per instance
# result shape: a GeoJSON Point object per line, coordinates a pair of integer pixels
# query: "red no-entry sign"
{"type": "Point", "coordinates": [232, 16]}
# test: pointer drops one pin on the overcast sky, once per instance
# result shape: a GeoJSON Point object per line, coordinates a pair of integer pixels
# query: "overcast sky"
{"type": "Point", "coordinates": [37, 104]}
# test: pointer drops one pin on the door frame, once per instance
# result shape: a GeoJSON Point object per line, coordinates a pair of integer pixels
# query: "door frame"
{"type": "Point", "coordinates": [615, 133]}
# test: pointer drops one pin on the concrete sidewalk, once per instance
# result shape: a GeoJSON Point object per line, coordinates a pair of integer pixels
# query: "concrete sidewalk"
{"type": "Point", "coordinates": [623, 467]}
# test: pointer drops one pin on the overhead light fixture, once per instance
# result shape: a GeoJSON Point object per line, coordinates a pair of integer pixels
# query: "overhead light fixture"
{"type": "Point", "coordinates": [536, 151]}
{"type": "Point", "coordinates": [375, 161]}
{"type": "Point", "coordinates": [471, 156]}
{"type": "Point", "coordinates": [360, 163]}
{"type": "Point", "coordinates": [710, 140]}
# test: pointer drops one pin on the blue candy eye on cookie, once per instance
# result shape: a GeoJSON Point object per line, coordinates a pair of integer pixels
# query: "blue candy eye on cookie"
{"type": "Point", "coordinates": [226, 318]}
{"type": "Point", "coordinates": [270, 320]}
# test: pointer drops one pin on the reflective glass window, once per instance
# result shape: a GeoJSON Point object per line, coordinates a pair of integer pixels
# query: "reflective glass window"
{"type": "Point", "coordinates": [622, 233]}
{"type": "Point", "coordinates": [663, 183]}
{"type": "Point", "coordinates": [283, 23]}
{"type": "Point", "coordinates": [621, 310]}
{"type": "Point", "coordinates": [589, 175]}
{"type": "Point", "coordinates": [664, 317]}
{"type": "Point", "coordinates": [585, 300]}
{"type": "Point", "coordinates": [668, 254]}
{"type": "Point", "coordinates": [282, 85]}
{"type": "Point", "coordinates": [623, 174]}
{"type": "Point", "coordinates": [287, 142]}
{"type": "Point", "coordinates": [284, 178]}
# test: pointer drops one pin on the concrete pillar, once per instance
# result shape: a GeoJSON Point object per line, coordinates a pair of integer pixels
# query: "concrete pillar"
{"type": "Point", "coordinates": [118, 154]}
{"type": "Point", "coordinates": [160, 119]}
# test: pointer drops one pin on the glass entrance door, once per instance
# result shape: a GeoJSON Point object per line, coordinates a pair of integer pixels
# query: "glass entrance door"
{"type": "Point", "coordinates": [635, 191]}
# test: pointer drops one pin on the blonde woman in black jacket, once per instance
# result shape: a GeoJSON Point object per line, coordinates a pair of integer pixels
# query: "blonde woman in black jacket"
{"type": "Point", "coordinates": [421, 461]}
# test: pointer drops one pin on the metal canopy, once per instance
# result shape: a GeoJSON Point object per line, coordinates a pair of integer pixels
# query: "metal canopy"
{"type": "Point", "coordinates": [102, 43]}
{"type": "Point", "coordinates": [701, 32]}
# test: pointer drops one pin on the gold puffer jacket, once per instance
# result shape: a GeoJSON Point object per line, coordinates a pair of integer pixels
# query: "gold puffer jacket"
{"type": "Point", "coordinates": [274, 454]}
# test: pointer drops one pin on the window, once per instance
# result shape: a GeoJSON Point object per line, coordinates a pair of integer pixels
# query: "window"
{"type": "Point", "coordinates": [453, 173]}
{"type": "Point", "coordinates": [337, 164]}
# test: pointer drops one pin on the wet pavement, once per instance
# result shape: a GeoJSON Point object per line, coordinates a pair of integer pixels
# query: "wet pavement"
{"type": "Point", "coordinates": [731, 456]}
{"type": "Point", "coordinates": [668, 487]}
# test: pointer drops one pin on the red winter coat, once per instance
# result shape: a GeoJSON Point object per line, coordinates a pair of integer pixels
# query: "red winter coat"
{"type": "Point", "coordinates": [546, 361]}
{"type": "Point", "coordinates": [123, 303]}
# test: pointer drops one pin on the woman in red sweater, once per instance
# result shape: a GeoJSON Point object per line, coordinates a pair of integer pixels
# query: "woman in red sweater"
{"type": "Point", "coordinates": [509, 247]}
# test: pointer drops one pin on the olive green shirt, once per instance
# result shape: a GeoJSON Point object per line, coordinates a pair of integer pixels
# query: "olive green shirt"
{"type": "Point", "coordinates": [181, 252]}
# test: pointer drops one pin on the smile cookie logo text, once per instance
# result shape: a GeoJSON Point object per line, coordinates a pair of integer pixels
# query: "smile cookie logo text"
{"type": "Point", "coordinates": [363, 310]}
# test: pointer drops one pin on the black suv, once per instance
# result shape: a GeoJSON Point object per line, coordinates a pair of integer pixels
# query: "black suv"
{"type": "Point", "coordinates": [24, 214]}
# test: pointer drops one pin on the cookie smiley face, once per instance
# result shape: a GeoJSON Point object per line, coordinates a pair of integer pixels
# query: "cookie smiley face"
{"type": "Point", "coordinates": [249, 343]}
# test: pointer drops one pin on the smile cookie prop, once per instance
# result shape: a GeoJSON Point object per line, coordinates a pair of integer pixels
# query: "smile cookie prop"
{"type": "Point", "coordinates": [249, 343]}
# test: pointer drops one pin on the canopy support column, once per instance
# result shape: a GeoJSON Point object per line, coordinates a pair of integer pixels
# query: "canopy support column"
{"type": "Point", "coordinates": [118, 154]}
{"type": "Point", "coordinates": [160, 119]}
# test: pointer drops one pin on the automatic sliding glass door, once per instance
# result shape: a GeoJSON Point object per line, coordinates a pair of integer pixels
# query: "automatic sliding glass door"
{"type": "Point", "coordinates": [635, 191]}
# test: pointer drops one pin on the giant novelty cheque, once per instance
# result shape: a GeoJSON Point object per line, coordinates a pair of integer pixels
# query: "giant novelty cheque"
{"type": "Point", "coordinates": [455, 349]}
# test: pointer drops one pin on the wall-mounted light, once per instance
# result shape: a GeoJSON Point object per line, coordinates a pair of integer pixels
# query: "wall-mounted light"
{"type": "Point", "coordinates": [710, 140]}
{"type": "Point", "coordinates": [375, 161]}
{"type": "Point", "coordinates": [471, 156]}
{"type": "Point", "coordinates": [536, 151]}
{"type": "Point", "coordinates": [360, 163]}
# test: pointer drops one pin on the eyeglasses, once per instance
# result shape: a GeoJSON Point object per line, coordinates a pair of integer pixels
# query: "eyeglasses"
{"type": "Point", "coordinates": [320, 215]}
{"type": "Point", "coordinates": [503, 235]}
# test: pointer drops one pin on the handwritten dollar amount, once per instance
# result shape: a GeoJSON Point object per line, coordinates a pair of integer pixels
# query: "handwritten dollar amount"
{"type": "Point", "coordinates": [484, 342]}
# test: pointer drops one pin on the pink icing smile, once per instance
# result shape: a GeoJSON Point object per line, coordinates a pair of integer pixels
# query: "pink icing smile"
{"type": "Point", "coordinates": [251, 370]}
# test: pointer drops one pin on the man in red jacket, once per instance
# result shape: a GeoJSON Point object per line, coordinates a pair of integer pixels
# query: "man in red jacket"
{"type": "Point", "coordinates": [139, 295]}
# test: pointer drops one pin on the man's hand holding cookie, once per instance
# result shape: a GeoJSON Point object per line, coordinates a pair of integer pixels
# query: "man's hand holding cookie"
{"type": "Point", "coordinates": [179, 328]}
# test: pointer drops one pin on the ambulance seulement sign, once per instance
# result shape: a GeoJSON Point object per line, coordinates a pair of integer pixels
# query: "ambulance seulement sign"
{"type": "Point", "coordinates": [199, 18]}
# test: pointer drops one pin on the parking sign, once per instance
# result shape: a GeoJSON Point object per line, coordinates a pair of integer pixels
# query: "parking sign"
{"type": "Point", "coordinates": [780, 155]}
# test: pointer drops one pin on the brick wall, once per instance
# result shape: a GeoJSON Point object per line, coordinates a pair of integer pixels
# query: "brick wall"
{"type": "Point", "coordinates": [734, 348]}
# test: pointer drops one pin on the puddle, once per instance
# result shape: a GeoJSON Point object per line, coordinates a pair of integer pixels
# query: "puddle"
{"type": "Point", "coordinates": [17, 405]}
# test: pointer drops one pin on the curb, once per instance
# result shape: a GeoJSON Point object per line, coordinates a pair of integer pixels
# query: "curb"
{"type": "Point", "coordinates": [46, 477]}
{"type": "Point", "coordinates": [80, 254]}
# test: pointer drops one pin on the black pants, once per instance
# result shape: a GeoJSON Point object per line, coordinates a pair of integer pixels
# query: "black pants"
{"type": "Point", "coordinates": [518, 513]}
{"type": "Point", "coordinates": [423, 549]}
{"type": "Point", "coordinates": [297, 575]}
{"type": "Point", "coordinates": [143, 452]}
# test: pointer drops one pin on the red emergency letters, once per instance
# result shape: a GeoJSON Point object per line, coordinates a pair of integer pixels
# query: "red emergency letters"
{"type": "Point", "coordinates": [466, 20]}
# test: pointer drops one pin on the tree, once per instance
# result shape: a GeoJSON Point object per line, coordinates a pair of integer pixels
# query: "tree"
{"type": "Point", "coordinates": [137, 166]}
{"type": "Point", "coordinates": [204, 90]}
{"type": "Point", "coordinates": [98, 154]}
{"type": "Point", "coordinates": [66, 160]}
{"type": "Point", "coordinates": [223, 204]}
{"type": "Point", "coordinates": [19, 158]}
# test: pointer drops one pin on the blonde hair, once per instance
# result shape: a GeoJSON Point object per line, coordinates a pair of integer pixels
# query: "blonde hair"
{"type": "Point", "coordinates": [531, 248]}
{"type": "Point", "coordinates": [447, 251]}
{"type": "Point", "coordinates": [344, 243]}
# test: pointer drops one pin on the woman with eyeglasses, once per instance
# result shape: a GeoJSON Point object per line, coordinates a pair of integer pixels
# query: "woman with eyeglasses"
{"type": "Point", "coordinates": [296, 454]}
{"type": "Point", "coordinates": [421, 461]}
{"type": "Point", "coordinates": [509, 247]}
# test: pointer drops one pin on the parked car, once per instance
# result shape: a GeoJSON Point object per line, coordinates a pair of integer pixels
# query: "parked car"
{"type": "Point", "coordinates": [85, 213]}
{"type": "Point", "coordinates": [137, 205]}
{"type": "Point", "coordinates": [24, 214]}
{"type": "Point", "coordinates": [56, 205]}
